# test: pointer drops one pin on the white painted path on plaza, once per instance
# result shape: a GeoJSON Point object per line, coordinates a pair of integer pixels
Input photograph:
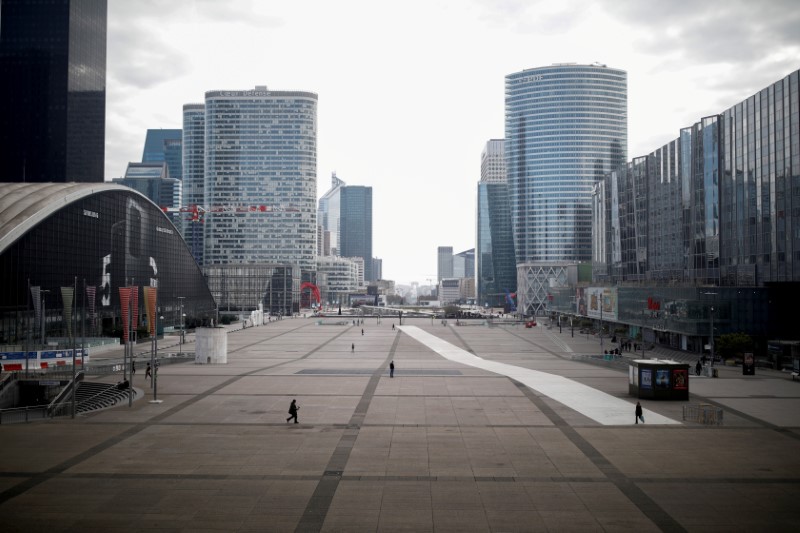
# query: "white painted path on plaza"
{"type": "Point", "coordinates": [595, 404]}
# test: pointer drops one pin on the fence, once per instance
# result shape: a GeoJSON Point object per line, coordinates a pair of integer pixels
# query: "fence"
{"type": "Point", "coordinates": [703, 413]}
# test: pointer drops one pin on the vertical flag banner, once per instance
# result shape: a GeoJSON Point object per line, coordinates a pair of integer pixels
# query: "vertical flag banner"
{"type": "Point", "coordinates": [36, 294]}
{"type": "Point", "coordinates": [150, 307]}
{"type": "Point", "coordinates": [91, 291]}
{"type": "Point", "coordinates": [67, 294]}
{"type": "Point", "coordinates": [134, 307]}
{"type": "Point", "coordinates": [124, 302]}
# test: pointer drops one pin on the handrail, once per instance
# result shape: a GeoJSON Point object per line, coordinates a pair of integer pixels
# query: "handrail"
{"type": "Point", "coordinates": [59, 399]}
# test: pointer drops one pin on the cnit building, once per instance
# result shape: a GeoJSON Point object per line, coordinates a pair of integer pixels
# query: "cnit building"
{"type": "Point", "coordinates": [700, 237]}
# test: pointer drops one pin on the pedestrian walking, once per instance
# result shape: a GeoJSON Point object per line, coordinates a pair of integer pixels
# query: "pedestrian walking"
{"type": "Point", "coordinates": [391, 369]}
{"type": "Point", "coordinates": [148, 372]}
{"type": "Point", "coordinates": [352, 347]}
{"type": "Point", "coordinates": [293, 408]}
{"type": "Point", "coordinates": [133, 367]}
{"type": "Point", "coordinates": [362, 331]}
{"type": "Point", "coordinates": [639, 415]}
{"type": "Point", "coordinates": [392, 327]}
{"type": "Point", "coordinates": [698, 368]}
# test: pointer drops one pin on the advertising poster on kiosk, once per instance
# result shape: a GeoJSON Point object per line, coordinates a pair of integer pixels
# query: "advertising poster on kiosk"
{"type": "Point", "coordinates": [646, 381]}
{"type": "Point", "coordinates": [680, 379]}
{"type": "Point", "coordinates": [662, 378]}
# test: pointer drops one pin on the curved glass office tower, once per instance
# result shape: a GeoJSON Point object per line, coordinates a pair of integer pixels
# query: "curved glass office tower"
{"type": "Point", "coordinates": [566, 126]}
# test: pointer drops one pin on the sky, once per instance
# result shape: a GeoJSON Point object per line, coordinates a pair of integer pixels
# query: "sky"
{"type": "Point", "coordinates": [409, 92]}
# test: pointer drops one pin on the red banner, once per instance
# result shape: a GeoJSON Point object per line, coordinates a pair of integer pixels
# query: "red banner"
{"type": "Point", "coordinates": [125, 304]}
{"type": "Point", "coordinates": [150, 307]}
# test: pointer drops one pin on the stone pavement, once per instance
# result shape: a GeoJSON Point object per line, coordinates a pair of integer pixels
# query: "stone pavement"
{"type": "Point", "coordinates": [442, 446]}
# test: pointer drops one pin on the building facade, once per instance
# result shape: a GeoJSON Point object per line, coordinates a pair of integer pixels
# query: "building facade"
{"type": "Point", "coordinates": [260, 177]}
{"type": "Point", "coordinates": [193, 167]}
{"type": "Point", "coordinates": [444, 263]}
{"type": "Point", "coordinates": [167, 146]}
{"type": "Point", "coordinates": [100, 237]}
{"type": "Point", "coordinates": [337, 278]}
{"type": "Point", "coordinates": [53, 94]}
{"type": "Point", "coordinates": [495, 261]}
{"type": "Point", "coordinates": [328, 216]}
{"type": "Point", "coordinates": [566, 128]}
{"type": "Point", "coordinates": [154, 181]}
{"type": "Point", "coordinates": [355, 226]}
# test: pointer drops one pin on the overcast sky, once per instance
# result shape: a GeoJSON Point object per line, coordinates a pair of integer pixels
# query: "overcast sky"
{"type": "Point", "coordinates": [409, 92]}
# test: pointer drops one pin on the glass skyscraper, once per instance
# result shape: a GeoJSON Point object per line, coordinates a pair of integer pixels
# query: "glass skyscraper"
{"type": "Point", "coordinates": [193, 155]}
{"type": "Point", "coordinates": [165, 145]}
{"type": "Point", "coordinates": [355, 225]}
{"type": "Point", "coordinates": [566, 127]}
{"type": "Point", "coordinates": [260, 177]}
{"type": "Point", "coordinates": [53, 90]}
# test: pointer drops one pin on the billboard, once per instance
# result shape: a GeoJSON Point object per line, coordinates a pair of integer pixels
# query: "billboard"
{"type": "Point", "coordinates": [601, 302]}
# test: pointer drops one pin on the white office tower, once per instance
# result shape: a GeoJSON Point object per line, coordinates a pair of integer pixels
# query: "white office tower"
{"type": "Point", "coordinates": [260, 177]}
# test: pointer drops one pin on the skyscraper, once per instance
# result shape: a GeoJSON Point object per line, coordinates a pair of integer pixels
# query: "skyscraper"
{"type": "Point", "coordinates": [165, 145]}
{"type": "Point", "coordinates": [355, 226]}
{"type": "Point", "coordinates": [495, 264]}
{"type": "Point", "coordinates": [328, 216]}
{"type": "Point", "coordinates": [566, 127]}
{"type": "Point", "coordinates": [53, 90]}
{"type": "Point", "coordinates": [444, 264]}
{"type": "Point", "coordinates": [193, 156]}
{"type": "Point", "coordinates": [260, 177]}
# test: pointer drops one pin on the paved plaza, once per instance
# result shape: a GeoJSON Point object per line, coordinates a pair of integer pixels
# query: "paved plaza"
{"type": "Point", "coordinates": [481, 429]}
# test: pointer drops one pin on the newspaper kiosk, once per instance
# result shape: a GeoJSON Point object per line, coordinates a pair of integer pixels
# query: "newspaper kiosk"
{"type": "Point", "coordinates": [656, 379]}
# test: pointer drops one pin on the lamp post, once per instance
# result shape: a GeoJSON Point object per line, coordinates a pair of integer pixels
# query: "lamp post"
{"type": "Point", "coordinates": [180, 339]}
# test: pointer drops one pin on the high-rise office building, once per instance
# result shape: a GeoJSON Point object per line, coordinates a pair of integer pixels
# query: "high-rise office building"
{"type": "Point", "coordinates": [193, 157]}
{"type": "Point", "coordinates": [53, 90]}
{"type": "Point", "coordinates": [495, 263]}
{"type": "Point", "coordinates": [154, 181]}
{"type": "Point", "coordinates": [493, 161]}
{"type": "Point", "coordinates": [444, 263]}
{"type": "Point", "coordinates": [165, 145]}
{"type": "Point", "coordinates": [566, 127]}
{"type": "Point", "coordinates": [328, 216]}
{"type": "Point", "coordinates": [355, 226]}
{"type": "Point", "coordinates": [260, 177]}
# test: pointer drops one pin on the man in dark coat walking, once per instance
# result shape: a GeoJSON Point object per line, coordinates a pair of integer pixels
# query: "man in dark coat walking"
{"type": "Point", "coordinates": [639, 415]}
{"type": "Point", "coordinates": [391, 369]}
{"type": "Point", "coordinates": [293, 408]}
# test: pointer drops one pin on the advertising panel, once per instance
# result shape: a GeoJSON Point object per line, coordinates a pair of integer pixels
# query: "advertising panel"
{"type": "Point", "coordinates": [680, 379]}
{"type": "Point", "coordinates": [662, 378]}
{"type": "Point", "coordinates": [646, 381]}
{"type": "Point", "coordinates": [601, 302]}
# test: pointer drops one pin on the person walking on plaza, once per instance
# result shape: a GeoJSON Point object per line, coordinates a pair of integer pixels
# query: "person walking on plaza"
{"type": "Point", "coordinates": [362, 331]}
{"type": "Point", "coordinates": [148, 372]}
{"type": "Point", "coordinates": [698, 368]}
{"type": "Point", "coordinates": [639, 415]}
{"type": "Point", "coordinates": [293, 408]}
{"type": "Point", "coordinates": [391, 369]}
{"type": "Point", "coordinates": [133, 367]}
{"type": "Point", "coordinates": [352, 347]}
{"type": "Point", "coordinates": [392, 327]}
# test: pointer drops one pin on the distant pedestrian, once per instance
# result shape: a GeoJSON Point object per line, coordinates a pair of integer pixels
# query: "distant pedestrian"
{"type": "Point", "coordinates": [362, 331]}
{"type": "Point", "coordinates": [133, 367]}
{"type": "Point", "coordinates": [293, 408]}
{"type": "Point", "coordinates": [391, 369]}
{"type": "Point", "coordinates": [352, 347]}
{"type": "Point", "coordinates": [392, 327]}
{"type": "Point", "coordinates": [148, 372]}
{"type": "Point", "coordinates": [698, 368]}
{"type": "Point", "coordinates": [639, 415]}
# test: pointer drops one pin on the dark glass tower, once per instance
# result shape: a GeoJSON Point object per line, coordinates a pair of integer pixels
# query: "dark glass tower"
{"type": "Point", "coordinates": [355, 225]}
{"type": "Point", "coordinates": [53, 90]}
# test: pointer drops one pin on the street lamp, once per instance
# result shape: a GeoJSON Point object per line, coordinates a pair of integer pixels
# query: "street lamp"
{"type": "Point", "coordinates": [180, 339]}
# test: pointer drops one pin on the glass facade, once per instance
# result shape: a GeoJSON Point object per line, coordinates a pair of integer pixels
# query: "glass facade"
{"type": "Point", "coordinates": [718, 206]}
{"type": "Point", "coordinates": [444, 263]}
{"type": "Point", "coordinates": [106, 236]}
{"type": "Point", "coordinates": [193, 166]}
{"type": "Point", "coordinates": [566, 128]}
{"type": "Point", "coordinates": [260, 177]}
{"type": "Point", "coordinates": [337, 277]}
{"type": "Point", "coordinates": [244, 287]}
{"type": "Point", "coordinates": [165, 145]}
{"type": "Point", "coordinates": [52, 116]}
{"type": "Point", "coordinates": [495, 262]}
{"type": "Point", "coordinates": [355, 226]}
{"type": "Point", "coordinates": [328, 216]}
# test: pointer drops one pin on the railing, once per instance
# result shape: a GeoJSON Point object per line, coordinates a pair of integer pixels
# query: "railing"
{"type": "Point", "coordinates": [61, 402]}
{"type": "Point", "coordinates": [23, 414]}
{"type": "Point", "coordinates": [703, 413]}
{"type": "Point", "coordinates": [617, 361]}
